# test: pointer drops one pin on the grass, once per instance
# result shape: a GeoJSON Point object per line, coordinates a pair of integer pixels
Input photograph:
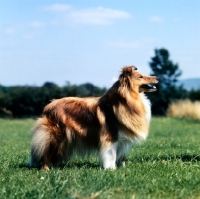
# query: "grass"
{"type": "Point", "coordinates": [167, 165]}
{"type": "Point", "coordinates": [184, 109]}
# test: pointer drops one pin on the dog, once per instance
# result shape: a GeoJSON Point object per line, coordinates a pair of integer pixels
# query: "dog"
{"type": "Point", "coordinates": [109, 124]}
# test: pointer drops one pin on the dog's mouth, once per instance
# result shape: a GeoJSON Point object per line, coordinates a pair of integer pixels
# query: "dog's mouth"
{"type": "Point", "coordinates": [148, 87]}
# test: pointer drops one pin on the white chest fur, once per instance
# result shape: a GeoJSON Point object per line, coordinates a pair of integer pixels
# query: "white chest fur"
{"type": "Point", "coordinates": [147, 105]}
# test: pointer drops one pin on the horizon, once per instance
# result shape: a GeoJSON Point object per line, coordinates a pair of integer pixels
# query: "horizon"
{"type": "Point", "coordinates": [180, 81]}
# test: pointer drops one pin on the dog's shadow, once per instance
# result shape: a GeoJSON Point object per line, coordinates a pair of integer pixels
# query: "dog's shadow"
{"type": "Point", "coordinates": [69, 165]}
{"type": "Point", "coordinates": [171, 157]}
{"type": "Point", "coordinates": [96, 165]}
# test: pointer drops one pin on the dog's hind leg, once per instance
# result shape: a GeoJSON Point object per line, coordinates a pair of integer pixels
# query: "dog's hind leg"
{"type": "Point", "coordinates": [56, 151]}
{"type": "Point", "coordinates": [46, 161]}
{"type": "Point", "coordinates": [44, 144]}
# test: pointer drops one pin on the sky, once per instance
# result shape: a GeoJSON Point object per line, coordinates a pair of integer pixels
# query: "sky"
{"type": "Point", "coordinates": [76, 42]}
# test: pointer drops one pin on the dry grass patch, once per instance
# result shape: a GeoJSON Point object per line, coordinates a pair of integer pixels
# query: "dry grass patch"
{"type": "Point", "coordinates": [184, 109]}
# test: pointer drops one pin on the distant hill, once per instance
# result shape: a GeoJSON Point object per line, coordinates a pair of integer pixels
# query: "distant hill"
{"type": "Point", "coordinates": [189, 84]}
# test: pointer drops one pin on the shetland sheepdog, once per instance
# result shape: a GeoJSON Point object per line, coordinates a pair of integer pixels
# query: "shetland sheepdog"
{"type": "Point", "coordinates": [109, 124]}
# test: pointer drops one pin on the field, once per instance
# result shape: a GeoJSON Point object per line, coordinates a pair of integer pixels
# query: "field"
{"type": "Point", "coordinates": [167, 165]}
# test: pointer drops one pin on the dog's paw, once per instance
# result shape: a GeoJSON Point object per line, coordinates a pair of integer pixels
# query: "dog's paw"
{"type": "Point", "coordinates": [123, 163]}
{"type": "Point", "coordinates": [113, 167]}
{"type": "Point", "coordinates": [110, 168]}
{"type": "Point", "coordinates": [46, 167]}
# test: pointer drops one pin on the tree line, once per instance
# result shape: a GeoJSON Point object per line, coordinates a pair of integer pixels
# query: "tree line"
{"type": "Point", "coordinates": [29, 101]}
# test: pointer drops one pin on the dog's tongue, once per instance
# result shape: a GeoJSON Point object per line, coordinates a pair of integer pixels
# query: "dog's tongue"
{"type": "Point", "coordinates": [148, 86]}
{"type": "Point", "coordinates": [151, 86]}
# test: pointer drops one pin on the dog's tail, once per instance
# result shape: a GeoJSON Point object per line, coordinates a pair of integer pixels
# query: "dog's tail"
{"type": "Point", "coordinates": [41, 136]}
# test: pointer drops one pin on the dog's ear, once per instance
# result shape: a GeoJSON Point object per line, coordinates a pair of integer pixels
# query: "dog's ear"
{"type": "Point", "coordinates": [126, 73]}
{"type": "Point", "coordinates": [127, 70]}
{"type": "Point", "coordinates": [133, 67]}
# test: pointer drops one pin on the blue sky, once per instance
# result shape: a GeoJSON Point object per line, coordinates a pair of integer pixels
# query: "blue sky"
{"type": "Point", "coordinates": [90, 41]}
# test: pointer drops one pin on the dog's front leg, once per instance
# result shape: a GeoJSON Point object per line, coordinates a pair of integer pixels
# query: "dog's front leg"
{"type": "Point", "coordinates": [108, 155]}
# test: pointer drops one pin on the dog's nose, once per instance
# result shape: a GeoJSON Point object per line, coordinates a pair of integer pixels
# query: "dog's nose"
{"type": "Point", "coordinates": [157, 78]}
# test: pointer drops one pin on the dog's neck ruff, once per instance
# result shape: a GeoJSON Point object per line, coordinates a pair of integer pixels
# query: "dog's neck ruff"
{"type": "Point", "coordinates": [147, 105]}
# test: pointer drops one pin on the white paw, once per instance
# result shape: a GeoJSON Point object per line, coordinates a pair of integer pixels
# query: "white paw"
{"type": "Point", "coordinates": [123, 164]}
{"type": "Point", "coordinates": [110, 167]}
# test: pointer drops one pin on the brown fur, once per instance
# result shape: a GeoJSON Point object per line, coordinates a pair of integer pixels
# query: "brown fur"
{"type": "Point", "coordinates": [87, 124]}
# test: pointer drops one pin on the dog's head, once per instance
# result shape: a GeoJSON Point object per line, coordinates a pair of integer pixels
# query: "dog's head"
{"type": "Point", "coordinates": [134, 80]}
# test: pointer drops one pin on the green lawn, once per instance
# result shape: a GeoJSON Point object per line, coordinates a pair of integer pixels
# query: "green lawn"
{"type": "Point", "coordinates": [167, 165]}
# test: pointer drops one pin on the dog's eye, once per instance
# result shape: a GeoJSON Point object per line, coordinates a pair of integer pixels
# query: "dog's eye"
{"type": "Point", "coordinates": [140, 77]}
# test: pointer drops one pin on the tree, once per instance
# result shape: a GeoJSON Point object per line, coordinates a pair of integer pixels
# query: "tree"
{"type": "Point", "coordinates": [194, 95]}
{"type": "Point", "coordinates": [168, 74]}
